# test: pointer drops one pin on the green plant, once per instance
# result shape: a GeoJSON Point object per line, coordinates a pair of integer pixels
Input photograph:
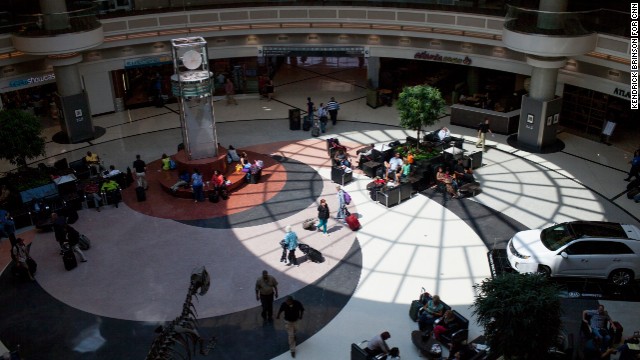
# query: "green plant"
{"type": "Point", "coordinates": [418, 153]}
{"type": "Point", "coordinates": [419, 106]}
{"type": "Point", "coordinates": [520, 314]}
{"type": "Point", "coordinates": [21, 140]}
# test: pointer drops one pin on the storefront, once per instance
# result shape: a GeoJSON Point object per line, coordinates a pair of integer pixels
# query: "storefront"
{"type": "Point", "coordinates": [30, 92]}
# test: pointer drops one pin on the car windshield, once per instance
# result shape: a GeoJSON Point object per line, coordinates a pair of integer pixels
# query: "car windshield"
{"type": "Point", "coordinates": [556, 236]}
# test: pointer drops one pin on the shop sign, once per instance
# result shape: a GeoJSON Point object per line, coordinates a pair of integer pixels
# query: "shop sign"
{"type": "Point", "coordinates": [148, 61]}
{"type": "Point", "coordinates": [622, 93]}
{"type": "Point", "coordinates": [33, 80]}
{"type": "Point", "coordinates": [424, 55]}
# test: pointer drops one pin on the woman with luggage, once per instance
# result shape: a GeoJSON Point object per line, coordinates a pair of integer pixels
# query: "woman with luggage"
{"type": "Point", "coordinates": [323, 216]}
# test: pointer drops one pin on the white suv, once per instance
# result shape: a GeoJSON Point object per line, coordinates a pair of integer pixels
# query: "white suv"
{"type": "Point", "coordinates": [579, 248]}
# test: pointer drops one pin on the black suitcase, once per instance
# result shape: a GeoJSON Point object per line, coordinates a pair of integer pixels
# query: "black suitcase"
{"type": "Point", "coordinates": [214, 197]}
{"type": "Point", "coordinates": [306, 124]}
{"type": "Point", "coordinates": [140, 194]}
{"type": "Point", "coordinates": [311, 253]}
{"type": "Point", "coordinates": [69, 259]}
{"type": "Point", "coordinates": [224, 194]}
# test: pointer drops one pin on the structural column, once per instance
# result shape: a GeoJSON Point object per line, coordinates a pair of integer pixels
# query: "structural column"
{"type": "Point", "coordinates": [75, 119]}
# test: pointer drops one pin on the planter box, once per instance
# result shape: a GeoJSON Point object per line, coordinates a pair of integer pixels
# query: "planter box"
{"type": "Point", "coordinates": [40, 192]}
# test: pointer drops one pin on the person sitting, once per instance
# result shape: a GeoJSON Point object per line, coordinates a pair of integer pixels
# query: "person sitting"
{"type": "Point", "coordinates": [447, 324]}
{"type": "Point", "coordinates": [445, 182]}
{"type": "Point", "coordinates": [217, 180]}
{"type": "Point", "coordinates": [405, 171]}
{"type": "Point", "coordinates": [111, 172]}
{"type": "Point", "coordinates": [112, 191]}
{"type": "Point", "coordinates": [392, 166]}
{"type": "Point", "coordinates": [232, 155]}
{"type": "Point", "coordinates": [378, 345]}
{"type": "Point", "coordinates": [467, 177]}
{"type": "Point", "coordinates": [430, 312]}
{"type": "Point", "coordinates": [166, 162]}
{"type": "Point", "coordinates": [91, 190]}
{"type": "Point", "coordinates": [244, 159]}
{"type": "Point", "coordinates": [598, 325]}
{"type": "Point", "coordinates": [339, 156]}
{"type": "Point", "coordinates": [183, 180]}
{"type": "Point", "coordinates": [444, 134]}
{"type": "Point", "coordinates": [93, 161]}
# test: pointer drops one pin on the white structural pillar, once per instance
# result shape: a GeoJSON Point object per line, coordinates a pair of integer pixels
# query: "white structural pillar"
{"type": "Point", "coordinates": [75, 119]}
{"type": "Point", "coordinates": [540, 109]}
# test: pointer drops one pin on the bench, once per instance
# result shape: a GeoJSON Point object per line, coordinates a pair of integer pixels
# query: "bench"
{"type": "Point", "coordinates": [395, 195]}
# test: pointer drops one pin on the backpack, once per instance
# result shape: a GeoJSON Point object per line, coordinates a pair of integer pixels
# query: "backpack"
{"type": "Point", "coordinates": [347, 197]}
{"type": "Point", "coordinates": [172, 164]}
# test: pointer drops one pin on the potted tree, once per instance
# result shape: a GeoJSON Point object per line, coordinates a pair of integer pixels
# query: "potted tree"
{"type": "Point", "coordinates": [21, 137]}
{"type": "Point", "coordinates": [520, 314]}
{"type": "Point", "coordinates": [419, 106]}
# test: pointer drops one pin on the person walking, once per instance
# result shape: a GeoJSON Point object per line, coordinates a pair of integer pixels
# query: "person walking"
{"type": "Point", "coordinates": [293, 311]}
{"type": "Point", "coordinates": [230, 90]}
{"type": "Point", "coordinates": [332, 107]}
{"type": "Point", "coordinates": [310, 110]}
{"type": "Point", "coordinates": [482, 134]}
{"type": "Point", "coordinates": [291, 243]}
{"type": "Point", "coordinates": [59, 231]}
{"type": "Point", "coordinates": [140, 168]}
{"type": "Point", "coordinates": [197, 185]}
{"type": "Point", "coordinates": [323, 216]}
{"type": "Point", "coordinates": [266, 291]}
{"type": "Point", "coordinates": [20, 253]}
{"type": "Point", "coordinates": [322, 117]}
{"type": "Point", "coordinates": [270, 89]}
{"type": "Point", "coordinates": [341, 204]}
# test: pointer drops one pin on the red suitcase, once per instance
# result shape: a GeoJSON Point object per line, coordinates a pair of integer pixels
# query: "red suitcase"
{"type": "Point", "coordinates": [352, 221]}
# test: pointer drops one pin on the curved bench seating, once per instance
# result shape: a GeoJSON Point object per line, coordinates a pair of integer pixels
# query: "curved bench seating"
{"type": "Point", "coordinates": [167, 178]}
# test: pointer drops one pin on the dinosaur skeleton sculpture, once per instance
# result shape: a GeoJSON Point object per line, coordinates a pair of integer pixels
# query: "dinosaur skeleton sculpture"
{"type": "Point", "coordinates": [180, 339]}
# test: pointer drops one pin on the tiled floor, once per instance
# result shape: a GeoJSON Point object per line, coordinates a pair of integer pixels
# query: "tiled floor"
{"type": "Point", "coordinates": [139, 266]}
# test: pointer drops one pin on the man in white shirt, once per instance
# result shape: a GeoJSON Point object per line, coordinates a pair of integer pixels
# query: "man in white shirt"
{"type": "Point", "coordinates": [393, 165]}
{"type": "Point", "coordinates": [378, 345]}
{"type": "Point", "coordinates": [444, 133]}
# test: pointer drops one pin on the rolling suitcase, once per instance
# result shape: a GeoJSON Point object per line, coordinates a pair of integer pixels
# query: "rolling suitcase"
{"type": "Point", "coordinates": [214, 197]}
{"type": "Point", "coordinates": [353, 222]}
{"type": "Point", "coordinates": [617, 332]}
{"type": "Point", "coordinates": [140, 194]}
{"type": "Point", "coordinates": [306, 124]}
{"type": "Point", "coordinates": [69, 259]}
{"type": "Point", "coordinates": [315, 131]}
{"type": "Point", "coordinates": [311, 253]}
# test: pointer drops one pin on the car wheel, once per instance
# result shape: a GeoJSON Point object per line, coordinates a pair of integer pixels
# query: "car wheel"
{"type": "Point", "coordinates": [544, 271]}
{"type": "Point", "coordinates": [621, 277]}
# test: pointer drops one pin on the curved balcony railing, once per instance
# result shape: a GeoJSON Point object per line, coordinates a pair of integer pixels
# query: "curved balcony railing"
{"type": "Point", "coordinates": [81, 18]}
{"type": "Point", "coordinates": [602, 21]}
{"type": "Point", "coordinates": [538, 22]}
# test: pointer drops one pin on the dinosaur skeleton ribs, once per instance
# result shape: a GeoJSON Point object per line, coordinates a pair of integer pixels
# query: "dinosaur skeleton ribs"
{"type": "Point", "coordinates": [180, 339]}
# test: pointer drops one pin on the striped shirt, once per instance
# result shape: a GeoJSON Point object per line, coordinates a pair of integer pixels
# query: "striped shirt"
{"type": "Point", "coordinates": [332, 105]}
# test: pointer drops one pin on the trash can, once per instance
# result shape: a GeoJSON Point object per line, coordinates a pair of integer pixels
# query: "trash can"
{"type": "Point", "coordinates": [294, 119]}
